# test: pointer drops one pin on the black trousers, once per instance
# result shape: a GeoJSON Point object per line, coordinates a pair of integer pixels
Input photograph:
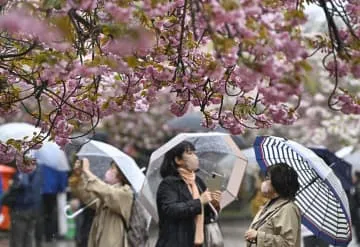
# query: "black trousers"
{"type": "Point", "coordinates": [313, 241]}
{"type": "Point", "coordinates": [22, 228]}
{"type": "Point", "coordinates": [357, 231]}
{"type": "Point", "coordinates": [50, 216]}
{"type": "Point", "coordinates": [84, 227]}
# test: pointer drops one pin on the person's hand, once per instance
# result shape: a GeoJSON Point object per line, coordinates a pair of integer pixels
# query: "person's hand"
{"type": "Point", "coordinates": [85, 165]}
{"type": "Point", "coordinates": [250, 235]}
{"type": "Point", "coordinates": [205, 197]}
{"type": "Point", "coordinates": [74, 204]}
{"type": "Point", "coordinates": [216, 196]}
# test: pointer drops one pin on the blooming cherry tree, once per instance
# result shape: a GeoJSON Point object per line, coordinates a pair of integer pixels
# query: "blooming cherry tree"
{"type": "Point", "coordinates": [70, 63]}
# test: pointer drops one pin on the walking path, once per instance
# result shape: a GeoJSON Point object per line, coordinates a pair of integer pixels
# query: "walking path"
{"type": "Point", "coordinates": [233, 232]}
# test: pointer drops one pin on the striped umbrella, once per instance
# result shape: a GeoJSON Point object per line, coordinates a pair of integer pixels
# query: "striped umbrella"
{"type": "Point", "coordinates": [322, 200]}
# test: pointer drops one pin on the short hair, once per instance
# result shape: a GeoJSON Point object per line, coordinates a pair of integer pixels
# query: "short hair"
{"type": "Point", "coordinates": [168, 166]}
{"type": "Point", "coordinates": [284, 179]}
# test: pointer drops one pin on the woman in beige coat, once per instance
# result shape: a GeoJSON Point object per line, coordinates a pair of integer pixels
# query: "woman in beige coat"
{"type": "Point", "coordinates": [278, 223]}
{"type": "Point", "coordinates": [113, 206]}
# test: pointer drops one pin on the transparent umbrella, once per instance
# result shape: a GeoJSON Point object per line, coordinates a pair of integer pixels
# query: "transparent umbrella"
{"type": "Point", "coordinates": [191, 122]}
{"type": "Point", "coordinates": [101, 155]}
{"type": "Point", "coordinates": [218, 154]}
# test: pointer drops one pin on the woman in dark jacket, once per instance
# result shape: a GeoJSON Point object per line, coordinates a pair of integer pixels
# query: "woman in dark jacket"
{"type": "Point", "coordinates": [183, 200]}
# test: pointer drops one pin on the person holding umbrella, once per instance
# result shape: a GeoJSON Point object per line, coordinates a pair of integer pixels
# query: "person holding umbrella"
{"type": "Point", "coordinates": [114, 199]}
{"type": "Point", "coordinates": [321, 199]}
{"type": "Point", "coordinates": [278, 222]}
{"type": "Point", "coordinates": [183, 201]}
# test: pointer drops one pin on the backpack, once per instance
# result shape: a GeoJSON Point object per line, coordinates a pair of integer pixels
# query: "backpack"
{"type": "Point", "coordinates": [24, 191]}
{"type": "Point", "coordinates": [138, 229]}
{"type": "Point", "coordinates": [9, 197]}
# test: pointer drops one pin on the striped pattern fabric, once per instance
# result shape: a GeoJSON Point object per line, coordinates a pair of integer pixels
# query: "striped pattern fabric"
{"type": "Point", "coordinates": [321, 198]}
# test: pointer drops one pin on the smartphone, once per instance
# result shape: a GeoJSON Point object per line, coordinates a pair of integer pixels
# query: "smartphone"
{"type": "Point", "coordinates": [215, 182]}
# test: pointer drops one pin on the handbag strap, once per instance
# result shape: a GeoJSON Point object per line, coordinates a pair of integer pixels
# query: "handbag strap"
{"type": "Point", "coordinates": [216, 214]}
{"type": "Point", "coordinates": [262, 221]}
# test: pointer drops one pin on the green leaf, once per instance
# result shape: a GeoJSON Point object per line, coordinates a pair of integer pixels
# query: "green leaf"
{"type": "Point", "coordinates": [52, 4]}
{"type": "Point", "coordinates": [310, 84]}
{"type": "Point", "coordinates": [132, 61]}
{"type": "Point", "coordinates": [64, 25]}
{"type": "Point", "coordinates": [229, 5]}
{"type": "Point", "coordinates": [115, 30]}
{"type": "Point", "coordinates": [305, 65]}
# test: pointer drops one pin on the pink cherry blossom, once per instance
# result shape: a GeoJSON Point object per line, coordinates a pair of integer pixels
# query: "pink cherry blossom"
{"type": "Point", "coordinates": [242, 63]}
{"type": "Point", "coordinates": [179, 109]}
{"type": "Point", "coordinates": [282, 115]}
{"type": "Point", "coordinates": [355, 70]}
{"type": "Point", "coordinates": [339, 67]}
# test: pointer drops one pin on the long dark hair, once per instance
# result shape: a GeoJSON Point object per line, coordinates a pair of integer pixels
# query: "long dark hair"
{"type": "Point", "coordinates": [284, 179]}
{"type": "Point", "coordinates": [168, 166]}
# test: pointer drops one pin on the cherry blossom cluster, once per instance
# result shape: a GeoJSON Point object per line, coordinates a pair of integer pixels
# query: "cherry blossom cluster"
{"type": "Point", "coordinates": [242, 63]}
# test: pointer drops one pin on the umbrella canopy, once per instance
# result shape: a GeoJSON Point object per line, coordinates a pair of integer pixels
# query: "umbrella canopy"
{"type": "Point", "coordinates": [52, 156]}
{"type": "Point", "coordinates": [354, 159]}
{"type": "Point", "coordinates": [341, 168]}
{"type": "Point", "coordinates": [17, 131]}
{"type": "Point", "coordinates": [191, 122]}
{"type": "Point", "coordinates": [345, 151]}
{"type": "Point", "coordinates": [322, 200]}
{"type": "Point", "coordinates": [49, 154]}
{"type": "Point", "coordinates": [217, 153]}
{"type": "Point", "coordinates": [101, 155]}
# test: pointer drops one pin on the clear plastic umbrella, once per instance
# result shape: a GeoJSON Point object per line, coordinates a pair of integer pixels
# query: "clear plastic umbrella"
{"type": "Point", "coordinates": [191, 122]}
{"type": "Point", "coordinates": [101, 155]}
{"type": "Point", "coordinates": [218, 154]}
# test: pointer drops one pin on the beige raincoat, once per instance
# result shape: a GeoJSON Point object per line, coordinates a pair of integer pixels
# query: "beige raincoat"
{"type": "Point", "coordinates": [278, 225]}
{"type": "Point", "coordinates": [107, 229]}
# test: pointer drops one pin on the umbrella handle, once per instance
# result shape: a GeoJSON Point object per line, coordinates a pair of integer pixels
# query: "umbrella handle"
{"type": "Point", "coordinates": [214, 210]}
{"type": "Point", "coordinates": [76, 213]}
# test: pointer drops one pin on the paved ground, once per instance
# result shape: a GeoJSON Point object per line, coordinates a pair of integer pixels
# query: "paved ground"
{"type": "Point", "coordinates": [233, 233]}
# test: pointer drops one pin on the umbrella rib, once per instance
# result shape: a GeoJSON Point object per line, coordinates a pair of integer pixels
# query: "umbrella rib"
{"type": "Point", "coordinates": [311, 182]}
{"type": "Point", "coordinates": [320, 199]}
{"type": "Point", "coordinates": [316, 196]}
{"type": "Point", "coordinates": [337, 225]}
{"type": "Point", "coordinates": [309, 206]}
{"type": "Point", "coordinates": [323, 220]}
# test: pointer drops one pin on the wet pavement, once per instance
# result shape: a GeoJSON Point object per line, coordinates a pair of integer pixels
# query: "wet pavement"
{"type": "Point", "coordinates": [233, 231]}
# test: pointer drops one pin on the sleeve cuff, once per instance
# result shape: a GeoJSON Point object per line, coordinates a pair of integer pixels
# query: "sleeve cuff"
{"type": "Point", "coordinates": [89, 180]}
{"type": "Point", "coordinates": [196, 206]}
{"type": "Point", "coordinates": [90, 176]}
